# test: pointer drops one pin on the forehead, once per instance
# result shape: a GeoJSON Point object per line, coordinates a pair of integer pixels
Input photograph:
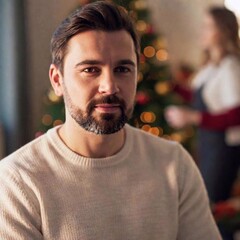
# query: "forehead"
{"type": "Point", "coordinates": [101, 44]}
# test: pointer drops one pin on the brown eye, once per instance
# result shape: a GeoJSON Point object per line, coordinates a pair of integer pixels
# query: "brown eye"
{"type": "Point", "coordinates": [122, 69]}
{"type": "Point", "coordinates": [91, 70]}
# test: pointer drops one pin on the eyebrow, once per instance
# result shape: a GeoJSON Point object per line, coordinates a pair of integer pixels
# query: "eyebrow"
{"type": "Point", "coordinates": [96, 62]}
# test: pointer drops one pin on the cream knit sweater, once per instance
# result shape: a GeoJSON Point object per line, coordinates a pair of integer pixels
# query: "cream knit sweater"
{"type": "Point", "coordinates": [151, 189]}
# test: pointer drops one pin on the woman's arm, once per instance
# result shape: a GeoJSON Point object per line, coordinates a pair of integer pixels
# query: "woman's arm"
{"type": "Point", "coordinates": [179, 117]}
{"type": "Point", "coordinates": [221, 121]}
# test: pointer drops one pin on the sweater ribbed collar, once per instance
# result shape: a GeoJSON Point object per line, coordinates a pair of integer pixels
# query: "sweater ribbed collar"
{"type": "Point", "coordinates": [75, 158]}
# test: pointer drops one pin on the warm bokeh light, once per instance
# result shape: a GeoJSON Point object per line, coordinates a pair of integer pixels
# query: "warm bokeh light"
{"type": "Point", "coordinates": [149, 51]}
{"type": "Point", "coordinates": [160, 43]}
{"type": "Point", "coordinates": [148, 117]}
{"type": "Point", "coordinates": [146, 127]}
{"type": "Point", "coordinates": [177, 137]}
{"type": "Point", "coordinates": [57, 122]}
{"type": "Point", "coordinates": [47, 120]}
{"type": "Point", "coordinates": [162, 88]}
{"type": "Point", "coordinates": [141, 26]}
{"type": "Point", "coordinates": [155, 131]}
{"type": "Point", "coordinates": [140, 5]}
{"type": "Point", "coordinates": [162, 55]}
{"type": "Point", "coordinates": [53, 97]}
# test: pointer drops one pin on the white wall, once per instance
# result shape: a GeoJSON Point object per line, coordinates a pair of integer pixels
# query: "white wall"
{"type": "Point", "coordinates": [180, 22]}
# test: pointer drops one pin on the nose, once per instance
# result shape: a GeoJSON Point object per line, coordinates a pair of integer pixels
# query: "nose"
{"type": "Point", "coordinates": [108, 84]}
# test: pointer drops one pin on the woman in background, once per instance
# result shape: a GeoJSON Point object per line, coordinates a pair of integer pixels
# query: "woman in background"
{"type": "Point", "coordinates": [216, 104]}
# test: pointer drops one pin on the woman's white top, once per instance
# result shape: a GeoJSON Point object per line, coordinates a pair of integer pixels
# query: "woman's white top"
{"type": "Point", "coordinates": [221, 90]}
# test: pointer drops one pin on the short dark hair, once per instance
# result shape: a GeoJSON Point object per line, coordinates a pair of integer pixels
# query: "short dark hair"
{"type": "Point", "coordinates": [100, 15]}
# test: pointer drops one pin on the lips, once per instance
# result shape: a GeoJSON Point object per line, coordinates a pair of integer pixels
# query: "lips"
{"type": "Point", "coordinates": [113, 107]}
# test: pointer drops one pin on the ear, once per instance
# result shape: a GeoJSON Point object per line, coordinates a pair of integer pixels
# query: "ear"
{"type": "Point", "coordinates": [56, 79]}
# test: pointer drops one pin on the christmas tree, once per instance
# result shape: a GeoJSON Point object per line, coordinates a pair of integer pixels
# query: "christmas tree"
{"type": "Point", "coordinates": [154, 91]}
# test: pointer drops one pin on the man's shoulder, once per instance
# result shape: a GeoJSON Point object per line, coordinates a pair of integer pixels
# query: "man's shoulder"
{"type": "Point", "coordinates": [153, 143]}
{"type": "Point", "coordinates": [25, 157]}
{"type": "Point", "coordinates": [161, 153]}
{"type": "Point", "coordinates": [148, 136]}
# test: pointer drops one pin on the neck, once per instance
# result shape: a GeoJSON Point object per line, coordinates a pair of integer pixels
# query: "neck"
{"type": "Point", "coordinates": [88, 144]}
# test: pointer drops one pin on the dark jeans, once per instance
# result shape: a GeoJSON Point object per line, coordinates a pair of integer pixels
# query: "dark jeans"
{"type": "Point", "coordinates": [218, 164]}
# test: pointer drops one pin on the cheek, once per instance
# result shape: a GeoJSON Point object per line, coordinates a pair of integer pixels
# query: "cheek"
{"type": "Point", "coordinates": [77, 95]}
{"type": "Point", "coordinates": [129, 93]}
{"type": "Point", "coordinates": [209, 38]}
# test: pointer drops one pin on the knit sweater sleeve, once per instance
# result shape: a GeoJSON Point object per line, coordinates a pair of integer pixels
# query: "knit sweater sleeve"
{"type": "Point", "coordinates": [19, 216]}
{"type": "Point", "coordinates": [195, 218]}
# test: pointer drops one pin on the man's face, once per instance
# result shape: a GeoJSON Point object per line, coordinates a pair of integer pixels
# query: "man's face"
{"type": "Point", "coordinates": [99, 80]}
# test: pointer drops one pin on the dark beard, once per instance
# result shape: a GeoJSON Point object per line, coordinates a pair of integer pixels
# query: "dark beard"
{"type": "Point", "coordinates": [107, 123]}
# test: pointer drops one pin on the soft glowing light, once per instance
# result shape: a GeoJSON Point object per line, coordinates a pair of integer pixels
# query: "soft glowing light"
{"type": "Point", "coordinates": [57, 122]}
{"type": "Point", "coordinates": [160, 131]}
{"type": "Point", "coordinates": [53, 97]}
{"type": "Point", "coordinates": [148, 117]}
{"type": "Point", "coordinates": [162, 55]}
{"type": "Point", "coordinates": [149, 51]}
{"type": "Point", "coordinates": [47, 120]}
{"type": "Point", "coordinates": [177, 137]}
{"type": "Point", "coordinates": [141, 26]}
{"type": "Point", "coordinates": [155, 131]}
{"type": "Point", "coordinates": [140, 5]}
{"type": "Point", "coordinates": [161, 43]}
{"type": "Point", "coordinates": [233, 5]}
{"type": "Point", "coordinates": [162, 88]}
{"type": "Point", "coordinates": [146, 127]}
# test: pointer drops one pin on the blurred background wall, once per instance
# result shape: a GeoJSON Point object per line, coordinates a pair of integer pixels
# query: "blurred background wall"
{"type": "Point", "coordinates": [178, 20]}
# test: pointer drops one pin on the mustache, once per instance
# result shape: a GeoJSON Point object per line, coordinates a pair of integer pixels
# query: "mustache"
{"type": "Point", "coordinates": [111, 99]}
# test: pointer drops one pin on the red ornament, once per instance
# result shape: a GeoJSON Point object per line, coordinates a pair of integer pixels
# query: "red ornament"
{"type": "Point", "coordinates": [150, 29]}
{"type": "Point", "coordinates": [142, 98]}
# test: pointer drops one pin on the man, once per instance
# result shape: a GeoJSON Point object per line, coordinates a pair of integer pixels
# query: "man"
{"type": "Point", "coordinates": [95, 177]}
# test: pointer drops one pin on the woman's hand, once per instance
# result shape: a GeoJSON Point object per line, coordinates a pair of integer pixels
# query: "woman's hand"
{"type": "Point", "coordinates": [179, 117]}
